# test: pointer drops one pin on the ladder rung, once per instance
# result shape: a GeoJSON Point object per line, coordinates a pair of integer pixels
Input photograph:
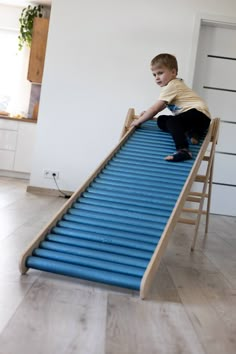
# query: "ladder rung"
{"type": "Point", "coordinates": [193, 199]}
{"type": "Point", "coordinates": [198, 194]}
{"type": "Point", "coordinates": [195, 211]}
{"type": "Point", "coordinates": [206, 158]}
{"type": "Point", "coordinates": [201, 178]}
{"type": "Point", "coordinates": [187, 221]}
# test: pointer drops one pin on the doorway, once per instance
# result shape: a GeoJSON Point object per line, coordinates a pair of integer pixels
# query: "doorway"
{"type": "Point", "coordinates": [215, 81]}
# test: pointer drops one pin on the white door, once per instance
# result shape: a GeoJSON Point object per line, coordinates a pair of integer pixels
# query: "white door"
{"type": "Point", "coordinates": [215, 81]}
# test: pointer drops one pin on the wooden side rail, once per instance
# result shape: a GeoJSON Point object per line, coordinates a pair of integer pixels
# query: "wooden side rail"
{"type": "Point", "coordinates": [160, 249]}
{"type": "Point", "coordinates": [128, 120]}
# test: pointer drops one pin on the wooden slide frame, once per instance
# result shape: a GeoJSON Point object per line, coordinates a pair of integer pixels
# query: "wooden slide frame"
{"type": "Point", "coordinates": [186, 195]}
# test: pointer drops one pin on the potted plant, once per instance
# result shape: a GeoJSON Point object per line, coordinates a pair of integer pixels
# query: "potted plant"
{"type": "Point", "coordinates": [26, 24]}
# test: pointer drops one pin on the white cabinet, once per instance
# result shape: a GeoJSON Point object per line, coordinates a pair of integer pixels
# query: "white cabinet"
{"type": "Point", "coordinates": [16, 145]}
{"type": "Point", "coordinates": [24, 150]}
{"type": "Point", "coordinates": [8, 124]}
{"type": "Point", "coordinates": [6, 160]}
{"type": "Point", "coordinates": [8, 140]}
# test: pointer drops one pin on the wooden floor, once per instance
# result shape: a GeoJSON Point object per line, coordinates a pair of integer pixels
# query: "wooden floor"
{"type": "Point", "coordinates": [191, 308]}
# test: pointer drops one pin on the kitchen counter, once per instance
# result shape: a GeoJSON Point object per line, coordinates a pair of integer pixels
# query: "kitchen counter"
{"type": "Point", "coordinates": [27, 120]}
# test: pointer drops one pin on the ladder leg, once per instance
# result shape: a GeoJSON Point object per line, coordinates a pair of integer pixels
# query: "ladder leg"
{"type": "Point", "coordinates": [199, 216]}
{"type": "Point", "coordinates": [208, 181]}
{"type": "Point", "coordinates": [209, 198]}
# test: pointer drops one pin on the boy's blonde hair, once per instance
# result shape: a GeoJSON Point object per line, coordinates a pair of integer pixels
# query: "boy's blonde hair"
{"type": "Point", "coordinates": [165, 59]}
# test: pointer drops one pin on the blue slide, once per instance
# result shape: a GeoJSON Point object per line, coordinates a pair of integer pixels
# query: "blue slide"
{"type": "Point", "coordinates": [109, 233]}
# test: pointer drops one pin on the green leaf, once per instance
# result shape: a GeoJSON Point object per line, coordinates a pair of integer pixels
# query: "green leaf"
{"type": "Point", "coordinates": [26, 21]}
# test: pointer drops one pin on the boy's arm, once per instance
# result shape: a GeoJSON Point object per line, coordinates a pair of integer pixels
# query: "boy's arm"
{"type": "Point", "coordinates": [150, 113]}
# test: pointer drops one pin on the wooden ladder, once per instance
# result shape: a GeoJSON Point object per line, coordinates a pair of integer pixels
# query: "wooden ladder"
{"type": "Point", "coordinates": [197, 199]}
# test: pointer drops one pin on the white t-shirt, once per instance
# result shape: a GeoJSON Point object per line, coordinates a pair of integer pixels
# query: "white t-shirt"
{"type": "Point", "coordinates": [180, 98]}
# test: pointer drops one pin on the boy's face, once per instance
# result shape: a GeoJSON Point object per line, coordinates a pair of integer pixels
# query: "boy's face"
{"type": "Point", "coordinates": [163, 75]}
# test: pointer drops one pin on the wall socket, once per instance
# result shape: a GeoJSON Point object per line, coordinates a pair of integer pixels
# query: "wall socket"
{"type": "Point", "coordinates": [51, 174]}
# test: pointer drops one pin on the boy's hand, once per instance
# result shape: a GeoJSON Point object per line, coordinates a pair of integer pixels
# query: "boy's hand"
{"type": "Point", "coordinates": [141, 114]}
{"type": "Point", "coordinates": [150, 113]}
{"type": "Point", "coordinates": [135, 123]}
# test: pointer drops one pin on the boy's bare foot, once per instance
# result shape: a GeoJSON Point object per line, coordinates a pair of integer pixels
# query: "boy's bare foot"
{"type": "Point", "coordinates": [194, 140]}
{"type": "Point", "coordinates": [180, 155]}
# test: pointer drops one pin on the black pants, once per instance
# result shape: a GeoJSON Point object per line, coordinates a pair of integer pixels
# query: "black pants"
{"type": "Point", "coordinates": [192, 122]}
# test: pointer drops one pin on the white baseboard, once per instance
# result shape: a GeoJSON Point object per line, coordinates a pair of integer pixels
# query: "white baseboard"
{"type": "Point", "coordinates": [47, 191]}
{"type": "Point", "coordinates": [14, 174]}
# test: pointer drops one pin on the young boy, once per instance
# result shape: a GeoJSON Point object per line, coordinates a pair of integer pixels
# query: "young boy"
{"type": "Point", "coordinates": [190, 115]}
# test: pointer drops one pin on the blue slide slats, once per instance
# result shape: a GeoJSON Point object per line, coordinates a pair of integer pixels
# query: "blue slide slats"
{"type": "Point", "coordinates": [111, 248]}
{"type": "Point", "coordinates": [93, 274]}
{"type": "Point", "coordinates": [110, 233]}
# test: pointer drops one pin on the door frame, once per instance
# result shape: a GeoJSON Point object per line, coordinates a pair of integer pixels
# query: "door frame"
{"type": "Point", "coordinates": [200, 20]}
{"type": "Point", "coordinates": [219, 22]}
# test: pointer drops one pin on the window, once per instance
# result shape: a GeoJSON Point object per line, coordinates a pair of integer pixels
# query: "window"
{"type": "Point", "coordinates": [14, 87]}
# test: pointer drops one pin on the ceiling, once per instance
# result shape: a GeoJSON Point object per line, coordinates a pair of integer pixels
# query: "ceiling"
{"type": "Point", "coordinates": [25, 2]}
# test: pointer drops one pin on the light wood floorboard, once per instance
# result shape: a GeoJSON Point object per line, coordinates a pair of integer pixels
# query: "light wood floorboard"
{"type": "Point", "coordinates": [190, 309]}
{"type": "Point", "coordinates": [54, 318]}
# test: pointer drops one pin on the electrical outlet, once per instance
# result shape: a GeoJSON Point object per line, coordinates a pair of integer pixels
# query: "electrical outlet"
{"type": "Point", "coordinates": [50, 174]}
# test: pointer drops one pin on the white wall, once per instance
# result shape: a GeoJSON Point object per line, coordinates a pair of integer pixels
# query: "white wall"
{"type": "Point", "coordinates": [9, 16]}
{"type": "Point", "coordinates": [97, 66]}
